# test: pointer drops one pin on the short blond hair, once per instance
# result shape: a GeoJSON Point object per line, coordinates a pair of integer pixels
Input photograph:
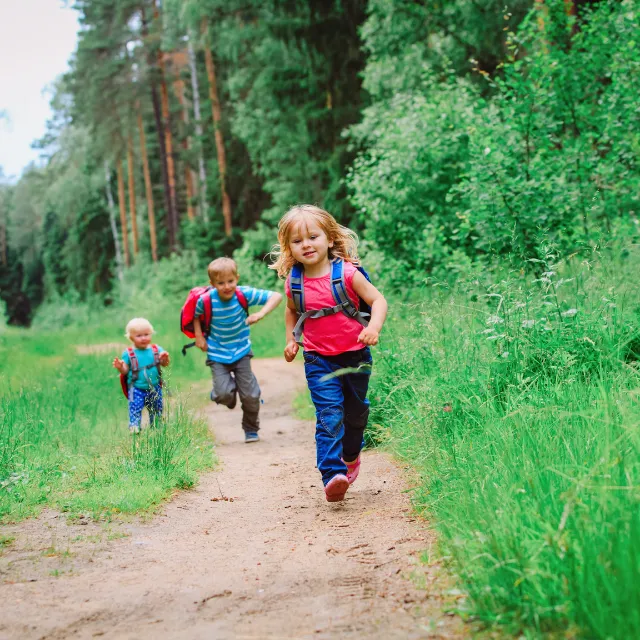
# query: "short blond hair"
{"type": "Point", "coordinates": [136, 325]}
{"type": "Point", "coordinates": [220, 266]}
{"type": "Point", "coordinates": [345, 241]}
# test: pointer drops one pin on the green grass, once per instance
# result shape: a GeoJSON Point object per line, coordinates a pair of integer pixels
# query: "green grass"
{"type": "Point", "coordinates": [64, 440]}
{"type": "Point", "coordinates": [533, 476]}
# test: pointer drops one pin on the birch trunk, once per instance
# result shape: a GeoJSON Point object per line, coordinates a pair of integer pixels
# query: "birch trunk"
{"type": "Point", "coordinates": [132, 196]}
{"type": "Point", "coordinates": [195, 89]}
{"type": "Point", "coordinates": [123, 213]}
{"type": "Point", "coordinates": [112, 220]}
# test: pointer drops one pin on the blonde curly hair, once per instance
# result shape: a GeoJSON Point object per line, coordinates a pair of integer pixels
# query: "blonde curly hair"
{"type": "Point", "coordinates": [345, 241]}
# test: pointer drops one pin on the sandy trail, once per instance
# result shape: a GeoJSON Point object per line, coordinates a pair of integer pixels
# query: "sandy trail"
{"type": "Point", "coordinates": [276, 562]}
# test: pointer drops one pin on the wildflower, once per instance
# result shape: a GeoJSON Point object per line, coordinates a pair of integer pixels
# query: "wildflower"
{"type": "Point", "coordinates": [528, 324]}
{"type": "Point", "coordinates": [569, 313]}
{"type": "Point", "coordinates": [494, 320]}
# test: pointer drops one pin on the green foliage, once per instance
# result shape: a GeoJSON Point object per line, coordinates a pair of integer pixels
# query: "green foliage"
{"type": "Point", "coordinates": [447, 176]}
{"type": "Point", "coordinates": [521, 418]}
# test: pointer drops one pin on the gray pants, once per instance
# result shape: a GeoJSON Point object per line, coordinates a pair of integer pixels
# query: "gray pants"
{"type": "Point", "coordinates": [237, 377]}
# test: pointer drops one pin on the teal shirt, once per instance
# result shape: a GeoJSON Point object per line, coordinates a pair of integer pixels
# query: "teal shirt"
{"type": "Point", "coordinates": [147, 378]}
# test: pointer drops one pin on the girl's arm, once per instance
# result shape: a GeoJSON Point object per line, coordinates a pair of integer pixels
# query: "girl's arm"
{"type": "Point", "coordinates": [274, 300]}
{"type": "Point", "coordinates": [290, 319]}
{"type": "Point", "coordinates": [369, 335]}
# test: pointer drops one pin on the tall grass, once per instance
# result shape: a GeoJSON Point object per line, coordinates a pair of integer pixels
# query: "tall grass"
{"type": "Point", "coordinates": [64, 440]}
{"type": "Point", "coordinates": [521, 415]}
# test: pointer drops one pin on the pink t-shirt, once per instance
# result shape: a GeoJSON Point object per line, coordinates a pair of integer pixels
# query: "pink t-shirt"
{"type": "Point", "coordinates": [334, 334]}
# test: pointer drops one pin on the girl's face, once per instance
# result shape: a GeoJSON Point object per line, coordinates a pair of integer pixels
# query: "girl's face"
{"type": "Point", "coordinates": [141, 339]}
{"type": "Point", "coordinates": [309, 244]}
{"type": "Point", "coordinates": [225, 284]}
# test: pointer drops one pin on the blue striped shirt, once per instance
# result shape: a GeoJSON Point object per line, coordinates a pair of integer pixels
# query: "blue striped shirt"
{"type": "Point", "coordinates": [229, 336]}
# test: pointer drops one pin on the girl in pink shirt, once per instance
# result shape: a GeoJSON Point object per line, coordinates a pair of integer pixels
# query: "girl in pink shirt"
{"type": "Point", "coordinates": [336, 341]}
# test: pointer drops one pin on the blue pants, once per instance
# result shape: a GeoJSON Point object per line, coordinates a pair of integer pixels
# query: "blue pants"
{"type": "Point", "coordinates": [141, 398]}
{"type": "Point", "coordinates": [342, 408]}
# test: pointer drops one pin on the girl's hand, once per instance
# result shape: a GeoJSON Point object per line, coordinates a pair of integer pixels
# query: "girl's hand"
{"type": "Point", "coordinates": [201, 343]}
{"type": "Point", "coordinates": [291, 350]}
{"type": "Point", "coordinates": [255, 317]}
{"type": "Point", "coordinates": [120, 365]}
{"type": "Point", "coordinates": [164, 359]}
{"type": "Point", "coordinates": [369, 336]}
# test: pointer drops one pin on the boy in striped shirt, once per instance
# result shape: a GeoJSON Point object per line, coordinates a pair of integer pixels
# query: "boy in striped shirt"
{"type": "Point", "coordinates": [228, 344]}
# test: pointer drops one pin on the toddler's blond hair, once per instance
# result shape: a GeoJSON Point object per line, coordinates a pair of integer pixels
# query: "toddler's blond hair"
{"type": "Point", "coordinates": [220, 266]}
{"type": "Point", "coordinates": [345, 241]}
{"type": "Point", "coordinates": [136, 325]}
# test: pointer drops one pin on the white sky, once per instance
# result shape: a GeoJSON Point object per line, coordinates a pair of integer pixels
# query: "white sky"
{"type": "Point", "coordinates": [37, 37]}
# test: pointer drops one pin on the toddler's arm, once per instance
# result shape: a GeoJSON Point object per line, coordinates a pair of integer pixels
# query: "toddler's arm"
{"type": "Point", "coordinates": [290, 319]}
{"type": "Point", "coordinates": [369, 335]}
{"type": "Point", "coordinates": [121, 366]}
{"type": "Point", "coordinates": [274, 300]}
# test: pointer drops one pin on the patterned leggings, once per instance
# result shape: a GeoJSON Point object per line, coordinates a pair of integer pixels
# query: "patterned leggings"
{"type": "Point", "coordinates": [141, 398]}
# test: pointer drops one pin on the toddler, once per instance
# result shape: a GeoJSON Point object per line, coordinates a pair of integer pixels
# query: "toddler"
{"type": "Point", "coordinates": [142, 364]}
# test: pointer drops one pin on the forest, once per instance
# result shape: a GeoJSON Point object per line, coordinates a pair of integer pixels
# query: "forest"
{"type": "Point", "coordinates": [487, 152]}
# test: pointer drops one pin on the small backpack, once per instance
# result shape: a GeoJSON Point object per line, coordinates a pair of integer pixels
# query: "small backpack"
{"type": "Point", "coordinates": [189, 311]}
{"type": "Point", "coordinates": [361, 313]}
{"type": "Point", "coordinates": [134, 367]}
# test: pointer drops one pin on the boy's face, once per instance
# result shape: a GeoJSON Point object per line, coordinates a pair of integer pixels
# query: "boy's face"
{"type": "Point", "coordinates": [309, 243]}
{"type": "Point", "coordinates": [141, 339]}
{"type": "Point", "coordinates": [225, 284]}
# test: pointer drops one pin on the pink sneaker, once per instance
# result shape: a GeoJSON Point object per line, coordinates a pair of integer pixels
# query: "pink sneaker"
{"type": "Point", "coordinates": [353, 469]}
{"type": "Point", "coordinates": [336, 488]}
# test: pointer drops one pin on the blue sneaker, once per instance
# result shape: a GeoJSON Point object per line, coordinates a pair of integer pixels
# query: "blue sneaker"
{"type": "Point", "coordinates": [251, 436]}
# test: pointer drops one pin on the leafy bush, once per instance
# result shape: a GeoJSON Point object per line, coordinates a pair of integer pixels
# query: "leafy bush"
{"type": "Point", "coordinates": [550, 157]}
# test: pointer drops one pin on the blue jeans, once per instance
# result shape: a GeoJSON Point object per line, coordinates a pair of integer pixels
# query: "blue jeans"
{"type": "Point", "coordinates": [342, 408]}
{"type": "Point", "coordinates": [141, 398]}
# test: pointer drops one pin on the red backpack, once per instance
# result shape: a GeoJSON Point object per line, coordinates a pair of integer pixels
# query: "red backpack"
{"type": "Point", "coordinates": [189, 311]}
{"type": "Point", "coordinates": [134, 367]}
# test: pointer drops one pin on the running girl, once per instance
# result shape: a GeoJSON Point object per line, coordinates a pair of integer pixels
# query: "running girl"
{"type": "Point", "coordinates": [325, 288]}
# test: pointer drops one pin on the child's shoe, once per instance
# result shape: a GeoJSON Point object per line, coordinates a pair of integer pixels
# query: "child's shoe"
{"type": "Point", "coordinates": [353, 469]}
{"type": "Point", "coordinates": [251, 436]}
{"type": "Point", "coordinates": [335, 489]}
{"type": "Point", "coordinates": [133, 429]}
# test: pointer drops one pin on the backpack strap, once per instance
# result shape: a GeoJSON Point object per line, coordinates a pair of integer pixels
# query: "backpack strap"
{"type": "Point", "coordinates": [134, 365]}
{"type": "Point", "coordinates": [296, 284]}
{"type": "Point", "coordinates": [206, 303]}
{"type": "Point", "coordinates": [156, 361]}
{"type": "Point", "coordinates": [339, 291]}
{"type": "Point", "coordinates": [242, 299]}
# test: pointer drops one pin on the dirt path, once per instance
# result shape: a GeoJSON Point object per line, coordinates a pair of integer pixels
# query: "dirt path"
{"type": "Point", "coordinates": [277, 561]}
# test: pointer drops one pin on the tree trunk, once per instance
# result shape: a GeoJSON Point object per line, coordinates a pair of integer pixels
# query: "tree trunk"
{"type": "Point", "coordinates": [195, 89]}
{"type": "Point", "coordinates": [148, 190]}
{"type": "Point", "coordinates": [123, 213]}
{"type": "Point", "coordinates": [168, 136]}
{"type": "Point", "coordinates": [157, 114]}
{"type": "Point", "coordinates": [132, 196]}
{"type": "Point", "coordinates": [112, 220]}
{"type": "Point", "coordinates": [178, 86]}
{"type": "Point", "coordinates": [217, 117]}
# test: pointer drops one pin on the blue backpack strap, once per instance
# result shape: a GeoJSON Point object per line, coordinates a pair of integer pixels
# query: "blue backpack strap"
{"type": "Point", "coordinates": [296, 283]}
{"type": "Point", "coordinates": [340, 295]}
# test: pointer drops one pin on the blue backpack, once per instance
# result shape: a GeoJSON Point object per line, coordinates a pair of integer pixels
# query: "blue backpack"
{"type": "Point", "coordinates": [361, 313]}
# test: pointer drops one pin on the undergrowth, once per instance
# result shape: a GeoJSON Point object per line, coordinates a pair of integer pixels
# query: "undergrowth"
{"type": "Point", "coordinates": [520, 414]}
